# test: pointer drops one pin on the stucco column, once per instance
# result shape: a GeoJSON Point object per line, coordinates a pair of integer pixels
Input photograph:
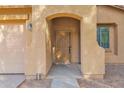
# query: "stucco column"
{"type": "Point", "coordinates": [36, 65]}
{"type": "Point", "coordinates": [35, 46]}
{"type": "Point", "coordinates": [92, 56]}
{"type": "Point", "coordinates": [29, 64]}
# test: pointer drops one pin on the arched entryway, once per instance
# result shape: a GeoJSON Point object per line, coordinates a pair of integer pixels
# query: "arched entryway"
{"type": "Point", "coordinates": [91, 55]}
{"type": "Point", "coordinates": [65, 45]}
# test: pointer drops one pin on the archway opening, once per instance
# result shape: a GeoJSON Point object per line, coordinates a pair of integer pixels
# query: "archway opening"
{"type": "Point", "coordinates": [65, 46]}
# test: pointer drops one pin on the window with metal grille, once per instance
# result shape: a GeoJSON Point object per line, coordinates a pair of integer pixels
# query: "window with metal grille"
{"type": "Point", "coordinates": [103, 36]}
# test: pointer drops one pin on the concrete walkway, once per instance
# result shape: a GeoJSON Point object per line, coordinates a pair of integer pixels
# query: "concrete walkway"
{"type": "Point", "coordinates": [65, 71]}
{"type": "Point", "coordinates": [114, 78]}
{"type": "Point", "coordinates": [65, 76]}
{"type": "Point", "coordinates": [64, 83]}
{"type": "Point", "coordinates": [11, 81]}
{"type": "Point", "coordinates": [44, 83]}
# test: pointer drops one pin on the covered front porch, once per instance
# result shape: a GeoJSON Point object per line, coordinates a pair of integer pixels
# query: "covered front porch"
{"type": "Point", "coordinates": [91, 56]}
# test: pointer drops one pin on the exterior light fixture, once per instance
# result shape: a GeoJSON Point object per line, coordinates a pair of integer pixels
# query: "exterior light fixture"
{"type": "Point", "coordinates": [29, 26]}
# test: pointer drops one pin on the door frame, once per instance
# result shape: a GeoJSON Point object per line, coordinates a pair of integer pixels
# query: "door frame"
{"type": "Point", "coordinates": [69, 34]}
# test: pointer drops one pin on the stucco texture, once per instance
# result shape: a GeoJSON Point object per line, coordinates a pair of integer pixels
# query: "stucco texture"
{"type": "Point", "coordinates": [114, 16]}
{"type": "Point", "coordinates": [92, 56]}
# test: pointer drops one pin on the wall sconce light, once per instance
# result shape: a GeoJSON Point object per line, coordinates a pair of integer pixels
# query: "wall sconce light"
{"type": "Point", "coordinates": [29, 26]}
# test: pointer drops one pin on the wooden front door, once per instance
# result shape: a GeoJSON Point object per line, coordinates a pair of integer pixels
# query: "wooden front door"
{"type": "Point", "coordinates": [62, 47]}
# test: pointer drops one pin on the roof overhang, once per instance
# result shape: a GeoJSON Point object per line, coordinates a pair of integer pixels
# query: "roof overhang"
{"type": "Point", "coordinates": [118, 7]}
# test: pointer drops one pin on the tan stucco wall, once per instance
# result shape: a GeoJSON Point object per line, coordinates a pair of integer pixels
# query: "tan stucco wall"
{"type": "Point", "coordinates": [30, 65]}
{"type": "Point", "coordinates": [38, 44]}
{"type": "Point", "coordinates": [48, 46]}
{"type": "Point", "coordinates": [92, 56]}
{"type": "Point", "coordinates": [107, 14]}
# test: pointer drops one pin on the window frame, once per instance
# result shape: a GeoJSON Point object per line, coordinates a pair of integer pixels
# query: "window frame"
{"type": "Point", "coordinates": [98, 33]}
{"type": "Point", "coordinates": [113, 37]}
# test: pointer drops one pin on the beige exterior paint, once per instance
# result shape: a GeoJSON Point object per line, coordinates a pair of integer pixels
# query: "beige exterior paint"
{"type": "Point", "coordinates": [92, 56]}
{"type": "Point", "coordinates": [111, 15]}
{"type": "Point", "coordinates": [38, 45]}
